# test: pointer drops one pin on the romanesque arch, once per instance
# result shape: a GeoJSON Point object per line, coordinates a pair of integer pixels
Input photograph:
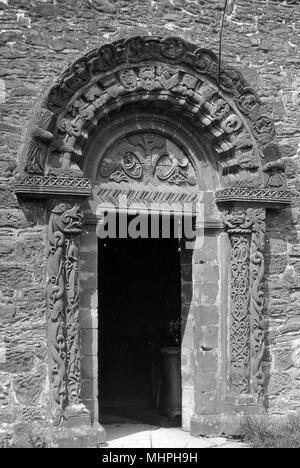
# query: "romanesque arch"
{"type": "Point", "coordinates": [147, 77]}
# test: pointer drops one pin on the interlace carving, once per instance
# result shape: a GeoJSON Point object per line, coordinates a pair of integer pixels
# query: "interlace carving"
{"type": "Point", "coordinates": [247, 231]}
{"type": "Point", "coordinates": [257, 269]}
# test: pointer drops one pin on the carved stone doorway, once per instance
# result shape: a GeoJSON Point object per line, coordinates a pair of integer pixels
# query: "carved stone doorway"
{"type": "Point", "coordinates": [139, 296]}
{"type": "Point", "coordinates": [148, 117]}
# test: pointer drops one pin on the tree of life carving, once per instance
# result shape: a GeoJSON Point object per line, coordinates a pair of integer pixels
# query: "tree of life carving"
{"type": "Point", "coordinates": [147, 158]}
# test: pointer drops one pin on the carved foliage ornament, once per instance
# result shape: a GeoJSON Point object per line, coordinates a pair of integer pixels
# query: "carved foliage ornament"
{"type": "Point", "coordinates": [63, 307]}
{"type": "Point", "coordinates": [247, 235]}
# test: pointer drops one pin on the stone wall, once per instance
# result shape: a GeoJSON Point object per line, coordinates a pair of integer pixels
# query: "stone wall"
{"type": "Point", "coordinates": [37, 40]}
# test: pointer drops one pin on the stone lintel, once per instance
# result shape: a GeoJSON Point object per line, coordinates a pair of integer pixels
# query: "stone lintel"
{"type": "Point", "coordinates": [48, 187]}
{"type": "Point", "coordinates": [268, 197]}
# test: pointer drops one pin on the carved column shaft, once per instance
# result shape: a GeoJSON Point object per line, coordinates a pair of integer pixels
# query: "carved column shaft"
{"type": "Point", "coordinates": [63, 308]}
{"type": "Point", "coordinates": [257, 325]}
{"type": "Point", "coordinates": [246, 229]}
{"type": "Point", "coordinates": [240, 320]}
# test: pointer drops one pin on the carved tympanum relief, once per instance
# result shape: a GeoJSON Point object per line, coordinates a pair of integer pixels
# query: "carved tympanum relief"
{"type": "Point", "coordinates": [147, 158]}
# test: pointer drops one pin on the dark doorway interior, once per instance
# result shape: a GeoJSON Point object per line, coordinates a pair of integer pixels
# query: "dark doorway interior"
{"type": "Point", "coordinates": [139, 294]}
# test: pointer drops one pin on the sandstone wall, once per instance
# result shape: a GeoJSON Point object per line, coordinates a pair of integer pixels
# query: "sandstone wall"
{"type": "Point", "coordinates": [37, 40]}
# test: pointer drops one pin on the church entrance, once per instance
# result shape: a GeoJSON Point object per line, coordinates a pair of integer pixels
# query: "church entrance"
{"type": "Point", "coordinates": [139, 319]}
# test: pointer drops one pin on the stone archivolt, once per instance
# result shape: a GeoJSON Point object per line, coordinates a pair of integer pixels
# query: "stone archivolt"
{"type": "Point", "coordinates": [164, 72]}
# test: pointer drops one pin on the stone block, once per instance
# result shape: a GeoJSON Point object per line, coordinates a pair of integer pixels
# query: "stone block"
{"type": "Point", "coordinates": [89, 342]}
{"type": "Point", "coordinates": [89, 240]}
{"type": "Point", "coordinates": [92, 405]}
{"type": "Point", "coordinates": [5, 383]}
{"type": "Point", "coordinates": [89, 261]}
{"type": "Point", "coordinates": [206, 403]}
{"type": "Point", "coordinates": [7, 199]}
{"type": "Point", "coordinates": [6, 250]}
{"type": "Point", "coordinates": [206, 293]}
{"type": "Point", "coordinates": [206, 382]}
{"type": "Point", "coordinates": [186, 311]}
{"type": "Point", "coordinates": [186, 256]}
{"type": "Point", "coordinates": [89, 389]}
{"type": "Point", "coordinates": [209, 426]}
{"type": "Point", "coordinates": [280, 383]}
{"type": "Point", "coordinates": [210, 249]}
{"type": "Point", "coordinates": [31, 249]}
{"type": "Point", "coordinates": [89, 367]}
{"type": "Point", "coordinates": [206, 314]}
{"type": "Point", "coordinates": [206, 361]}
{"type": "Point", "coordinates": [88, 280]}
{"type": "Point", "coordinates": [28, 388]}
{"type": "Point", "coordinates": [204, 272]}
{"type": "Point", "coordinates": [187, 333]}
{"type": "Point", "coordinates": [276, 264]}
{"type": "Point", "coordinates": [7, 315]}
{"type": "Point", "coordinates": [186, 273]}
{"type": "Point", "coordinates": [88, 298]}
{"type": "Point", "coordinates": [88, 318]}
{"type": "Point", "coordinates": [186, 293]}
{"type": "Point", "coordinates": [14, 277]}
{"type": "Point", "coordinates": [14, 218]}
{"type": "Point", "coordinates": [207, 337]}
{"type": "Point", "coordinates": [17, 360]}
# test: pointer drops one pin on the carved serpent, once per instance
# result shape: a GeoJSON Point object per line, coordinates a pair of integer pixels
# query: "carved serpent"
{"type": "Point", "coordinates": [63, 303]}
{"type": "Point", "coordinates": [57, 339]}
{"type": "Point", "coordinates": [256, 305]}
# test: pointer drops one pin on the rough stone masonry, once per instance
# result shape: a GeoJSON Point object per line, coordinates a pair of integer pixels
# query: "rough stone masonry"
{"type": "Point", "coordinates": [38, 40]}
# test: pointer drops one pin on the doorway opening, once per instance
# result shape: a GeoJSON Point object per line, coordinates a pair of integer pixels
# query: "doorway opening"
{"type": "Point", "coordinates": [139, 321]}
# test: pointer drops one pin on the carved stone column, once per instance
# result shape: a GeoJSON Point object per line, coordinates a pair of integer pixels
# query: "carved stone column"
{"type": "Point", "coordinates": [257, 324]}
{"type": "Point", "coordinates": [246, 228]}
{"type": "Point", "coordinates": [65, 226]}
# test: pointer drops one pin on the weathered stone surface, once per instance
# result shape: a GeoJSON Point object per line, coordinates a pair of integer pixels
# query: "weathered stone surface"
{"type": "Point", "coordinates": [280, 382]}
{"type": "Point", "coordinates": [206, 314]}
{"type": "Point", "coordinates": [30, 248]}
{"type": "Point", "coordinates": [14, 277]}
{"type": "Point", "coordinates": [206, 361]}
{"type": "Point", "coordinates": [207, 337]}
{"type": "Point", "coordinates": [17, 360]}
{"type": "Point", "coordinates": [28, 388]}
{"type": "Point", "coordinates": [283, 359]}
{"type": "Point", "coordinates": [14, 219]}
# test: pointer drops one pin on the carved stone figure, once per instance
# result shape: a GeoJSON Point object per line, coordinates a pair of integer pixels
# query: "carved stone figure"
{"type": "Point", "coordinates": [40, 137]}
{"type": "Point", "coordinates": [128, 78]}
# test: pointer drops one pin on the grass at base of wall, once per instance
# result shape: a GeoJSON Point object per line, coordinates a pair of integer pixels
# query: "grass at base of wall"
{"type": "Point", "coordinates": [269, 433]}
